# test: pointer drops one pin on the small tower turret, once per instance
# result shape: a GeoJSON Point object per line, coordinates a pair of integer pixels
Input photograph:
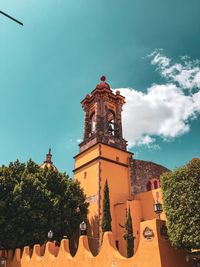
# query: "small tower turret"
{"type": "Point", "coordinates": [48, 163]}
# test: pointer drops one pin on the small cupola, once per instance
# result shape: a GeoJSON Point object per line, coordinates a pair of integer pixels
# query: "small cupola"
{"type": "Point", "coordinates": [48, 162]}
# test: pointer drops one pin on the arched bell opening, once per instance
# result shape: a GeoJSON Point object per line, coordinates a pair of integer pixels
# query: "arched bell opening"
{"type": "Point", "coordinates": [92, 123]}
{"type": "Point", "coordinates": [111, 122]}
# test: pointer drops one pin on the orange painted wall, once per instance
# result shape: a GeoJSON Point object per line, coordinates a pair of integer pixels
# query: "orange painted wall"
{"type": "Point", "coordinates": [112, 153]}
{"type": "Point", "coordinates": [147, 200]}
{"type": "Point", "coordinates": [151, 253]}
{"type": "Point", "coordinates": [136, 215]}
{"type": "Point", "coordinates": [88, 176]}
{"type": "Point", "coordinates": [119, 218]}
{"type": "Point", "coordinates": [86, 156]}
{"type": "Point", "coordinates": [119, 188]}
{"type": "Point", "coordinates": [89, 181]}
{"type": "Point", "coordinates": [142, 210]}
{"type": "Point", "coordinates": [116, 176]}
{"type": "Point", "coordinates": [118, 181]}
{"type": "Point", "coordinates": [91, 187]}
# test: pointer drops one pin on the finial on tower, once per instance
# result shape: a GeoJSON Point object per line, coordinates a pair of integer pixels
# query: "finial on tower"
{"type": "Point", "coordinates": [49, 156]}
{"type": "Point", "coordinates": [103, 84]}
{"type": "Point", "coordinates": [103, 78]}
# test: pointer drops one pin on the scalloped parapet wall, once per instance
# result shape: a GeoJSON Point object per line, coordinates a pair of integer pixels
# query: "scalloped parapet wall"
{"type": "Point", "coordinates": [155, 251]}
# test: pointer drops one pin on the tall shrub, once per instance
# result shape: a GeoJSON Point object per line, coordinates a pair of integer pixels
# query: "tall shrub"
{"type": "Point", "coordinates": [106, 220]}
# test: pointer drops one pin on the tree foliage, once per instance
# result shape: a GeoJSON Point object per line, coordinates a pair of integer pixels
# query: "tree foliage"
{"type": "Point", "coordinates": [106, 220]}
{"type": "Point", "coordinates": [128, 236]}
{"type": "Point", "coordinates": [35, 200]}
{"type": "Point", "coordinates": [181, 195]}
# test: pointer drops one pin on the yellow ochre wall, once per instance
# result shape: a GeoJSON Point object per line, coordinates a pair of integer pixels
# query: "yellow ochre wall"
{"type": "Point", "coordinates": [86, 156]}
{"type": "Point", "coordinates": [88, 177]}
{"type": "Point", "coordinates": [147, 200]}
{"type": "Point", "coordinates": [102, 162]}
{"type": "Point", "coordinates": [107, 163]}
{"type": "Point", "coordinates": [141, 208]}
{"type": "Point", "coordinates": [119, 189]}
{"type": "Point", "coordinates": [155, 252]}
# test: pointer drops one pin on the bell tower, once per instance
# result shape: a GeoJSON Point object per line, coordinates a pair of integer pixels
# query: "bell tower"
{"type": "Point", "coordinates": [103, 121]}
{"type": "Point", "coordinates": [103, 156]}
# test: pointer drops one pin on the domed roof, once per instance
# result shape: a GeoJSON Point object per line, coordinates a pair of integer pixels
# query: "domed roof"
{"type": "Point", "coordinates": [48, 163]}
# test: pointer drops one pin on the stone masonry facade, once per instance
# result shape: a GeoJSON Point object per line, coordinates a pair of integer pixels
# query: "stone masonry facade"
{"type": "Point", "coordinates": [142, 172]}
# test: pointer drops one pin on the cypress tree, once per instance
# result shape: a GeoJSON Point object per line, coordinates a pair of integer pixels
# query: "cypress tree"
{"type": "Point", "coordinates": [106, 220]}
{"type": "Point", "coordinates": [128, 236]}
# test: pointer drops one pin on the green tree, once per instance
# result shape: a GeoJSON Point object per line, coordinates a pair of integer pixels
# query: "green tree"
{"type": "Point", "coordinates": [106, 220]}
{"type": "Point", "coordinates": [128, 236]}
{"type": "Point", "coordinates": [35, 200]}
{"type": "Point", "coordinates": [181, 195]}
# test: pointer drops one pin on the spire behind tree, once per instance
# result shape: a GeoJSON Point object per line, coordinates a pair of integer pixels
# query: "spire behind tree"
{"type": "Point", "coordinates": [48, 162]}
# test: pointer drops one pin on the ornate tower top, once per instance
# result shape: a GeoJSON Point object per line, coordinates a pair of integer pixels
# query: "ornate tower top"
{"type": "Point", "coordinates": [103, 83]}
{"type": "Point", "coordinates": [48, 157]}
{"type": "Point", "coordinates": [48, 163]}
{"type": "Point", "coordinates": [103, 123]}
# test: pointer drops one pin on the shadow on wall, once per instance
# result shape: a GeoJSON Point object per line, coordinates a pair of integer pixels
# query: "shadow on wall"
{"type": "Point", "coordinates": [93, 235]}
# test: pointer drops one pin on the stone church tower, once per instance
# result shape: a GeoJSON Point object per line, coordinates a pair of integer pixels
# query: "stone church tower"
{"type": "Point", "coordinates": [103, 122]}
{"type": "Point", "coordinates": [103, 155]}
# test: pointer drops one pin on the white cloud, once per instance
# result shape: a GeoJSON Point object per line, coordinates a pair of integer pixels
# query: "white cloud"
{"type": "Point", "coordinates": [163, 110]}
{"type": "Point", "coordinates": [185, 74]}
{"type": "Point", "coordinates": [148, 141]}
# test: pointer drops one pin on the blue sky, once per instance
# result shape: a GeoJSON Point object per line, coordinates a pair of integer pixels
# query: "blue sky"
{"type": "Point", "coordinates": [50, 64]}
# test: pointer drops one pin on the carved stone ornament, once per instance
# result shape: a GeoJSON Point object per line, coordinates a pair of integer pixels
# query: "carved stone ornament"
{"type": "Point", "coordinates": [148, 233]}
{"type": "Point", "coordinates": [92, 199]}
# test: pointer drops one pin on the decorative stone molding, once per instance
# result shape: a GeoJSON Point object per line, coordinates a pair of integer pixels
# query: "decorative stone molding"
{"type": "Point", "coordinates": [142, 172]}
{"type": "Point", "coordinates": [148, 233]}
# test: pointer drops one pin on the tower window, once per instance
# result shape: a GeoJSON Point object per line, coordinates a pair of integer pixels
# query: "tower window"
{"type": "Point", "coordinates": [117, 158]}
{"type": "Point", "coordinates": [111, 122]}
{"type": "Point", "coordinates": [92, 123]}
{"type": "Point", "coordinates": [153, 184]}
{"type": "Point", "coordinates": [85, 175]}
